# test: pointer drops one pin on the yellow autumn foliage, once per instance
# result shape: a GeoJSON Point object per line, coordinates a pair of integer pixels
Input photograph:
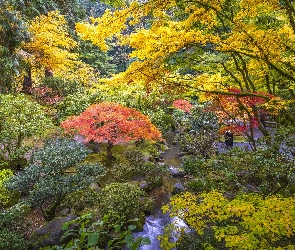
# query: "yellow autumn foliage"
{"type": "Point", "coordinates": [253, 38]}
{"type": "Point", "coordinates": [50, 46]}
{"type": "Point", "coordinates": [247, 222]}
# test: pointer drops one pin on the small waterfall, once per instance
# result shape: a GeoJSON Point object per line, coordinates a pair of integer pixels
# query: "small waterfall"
{"type": "Point", "coordinates": [154, 224]}
{"type": "Point", "coordinates": [180, 224]}
{"type": "Point", "coordinates": [152, 228]}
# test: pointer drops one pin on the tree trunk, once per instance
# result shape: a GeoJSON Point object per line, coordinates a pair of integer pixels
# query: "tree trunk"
{"type": "Point", "coordinates": [49, 212]}
{"type": "Point", "coordinates": [48, 72]}
{"type": "Point", "coordinates": [109, 151]}
{"type": "Point", "coordinates": [27, 83]}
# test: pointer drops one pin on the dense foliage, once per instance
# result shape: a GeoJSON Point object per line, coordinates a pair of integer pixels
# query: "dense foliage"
{"type": "Point", "coordinates": [12, 227]}
{"type": "Point", "coordinates": [112, 123]}
{"type": "Point", "coordinates": [47, 181]}
{"type": "Point", "coordinates": [92, 234]}
{"type": "Point", "coordinates": [112, 75]}
{"type": "Point", "coordinates": [250, 221]}
{"type": "Point", "coordinates": [20, 118]}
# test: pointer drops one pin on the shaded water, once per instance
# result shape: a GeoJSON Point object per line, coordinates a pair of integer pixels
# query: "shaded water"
{"type": "Point", "coordinates": [171, 156]}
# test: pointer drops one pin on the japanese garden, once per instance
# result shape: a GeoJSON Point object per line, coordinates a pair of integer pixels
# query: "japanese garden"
{"type": "Point", "coordinates": [147, 124]}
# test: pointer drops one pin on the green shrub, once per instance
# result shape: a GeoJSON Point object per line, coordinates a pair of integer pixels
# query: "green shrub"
{"type": "Point", "coordinates": [153, 173]}
{"type": "Point", "coordinates": [81, 200]}
{"type": "Point", "coordinates": [47, 181]}
{"type": "Point", "coordinates": [265, 170]}
{"type": "Point", "coordinates": [192, 165]}
{"type": "Point", "coordinates": [150, 149]}
{"type": "Point", "coordinates": [121, 201]}
{"type": "Point", "coordinates": [96, 234]}
{"type": "Point", "coordinates": [199, 185]}
{"type": "Point", "coordinates": [135, 157]}
{"type": "Point", "coordinates": [12, 228]}
{"type": "Point", "coordinates": [73, 104]}
{"type": "Point", "coordinates": [122, 172]}
{"type": "Point", "coordinates": [62, 86]}
{"type": "Point", "coordinates": [7, 198]}
{"type": "Point", "coordinates": [20, 118]}
{"type": "Point", "coordinates": [163, 121]}
{"type": "Point", "coordinates": [201, 132]}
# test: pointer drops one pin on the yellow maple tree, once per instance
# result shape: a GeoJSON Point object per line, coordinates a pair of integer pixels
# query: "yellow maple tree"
{"type": "Point", "coordinates": [51, 45]}
{"type": "Point", "coordinates": [256, 35]}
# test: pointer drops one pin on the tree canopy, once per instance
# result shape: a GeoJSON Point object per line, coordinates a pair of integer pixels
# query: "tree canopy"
{"type": "Point", "coordinates": [204, 45]}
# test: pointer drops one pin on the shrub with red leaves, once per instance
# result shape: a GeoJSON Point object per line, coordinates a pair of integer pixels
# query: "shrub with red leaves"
{"type": "Point", "coordinates": [183, 105]}
{"type": "Point", "coordinates": [46, 95]}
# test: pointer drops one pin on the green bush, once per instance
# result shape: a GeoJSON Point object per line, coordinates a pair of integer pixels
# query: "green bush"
{"type": "Point", "coordinates": [201, 132]}
{"type": "Point", "coordinates": [163, 121]}
{"type": "Point", "coordinates": [53, 174]}
{"type": "Point", "coordinates": [20, 118]}
{"type": "Point", "coordinates": [153, 173]}
{"type": "Point", "coordinates": [73, 104]}
{"type": "Point", "coordinates": [96, 234]}
{"type": "Point", "coordinates": [123, 172]}
{"type": "Point", "coordinates": [82, 200]}
{"type": "Point", "coordinates": [135, 157]}
{"type": "Point", "coordinates": [200, 185]}
{"type": "Point", "coordinates": [12, 228]}
{"type": "Point", "coordinates": [192, 165]}
{"type": "Point", "coordinates": [62, 86]}
{"type": "Point", "coordinates": [7, 198]}
{"type": "Point", "coordinates": [265, 170]}
{"type": "Point", "coordinates": [121, 201]}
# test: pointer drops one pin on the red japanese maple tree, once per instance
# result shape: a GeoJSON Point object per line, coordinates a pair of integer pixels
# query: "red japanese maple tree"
{"type": "Point", "coordinates": [242, 112]}
{"type": "Point", "coordinates": [111, 123]}
{"type": "Point", "coordinates": [183, 105]}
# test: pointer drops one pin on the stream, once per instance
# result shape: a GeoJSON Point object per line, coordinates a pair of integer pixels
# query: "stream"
{"type": "Point", "coordinates": [155, 223]}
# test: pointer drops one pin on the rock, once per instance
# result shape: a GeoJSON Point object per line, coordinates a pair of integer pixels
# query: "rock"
{"type": "Point", "coordinates": [252, 188]}
{"type": "Point", "coordinates": [50, 234]}
{"type": "Point", "coordinates": [182, 154]}
{"type": "Point", "coordinates": [143, 184]}
{"type": "Point", "coordinates": [95, 186]}
{"type": "Point", "coordinates": [243, 173]}
{"type": "Point", "coordinates": [229, 195]}
{"type": "Point", "coordinates": [64, 212]}
{"type": "Point", "coordinates": [146, 186]}
{"type": "Point", "coordinates": [178, 188]}
{"type": "Point", "coordinates": [80, 139]}
{"type": "Point", "coordinates": [147, 204]}
{"type": "Point", "coordinates": [162, 164]}
{"type": "Point", "coordinates": [176, 172]}
{"type": "Point", "coordinates": [159, 159]}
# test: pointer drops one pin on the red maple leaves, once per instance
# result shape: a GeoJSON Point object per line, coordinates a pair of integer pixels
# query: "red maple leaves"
{"type": "Point", "coordinates": [112, 123]}
{"type": "Point", "coordinates": [182, 105]}
{"type": "Point", "coordinates": [241, 109]}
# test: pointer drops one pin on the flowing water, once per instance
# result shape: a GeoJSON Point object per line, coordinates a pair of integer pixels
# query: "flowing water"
{"type": "Point", "coordinates": [152, 228]}
{"type": "Point", "coordinates": [155, 223]}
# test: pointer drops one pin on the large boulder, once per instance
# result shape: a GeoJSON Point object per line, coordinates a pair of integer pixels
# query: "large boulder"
{"type": "Point", "coordinates": [51, 233]}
